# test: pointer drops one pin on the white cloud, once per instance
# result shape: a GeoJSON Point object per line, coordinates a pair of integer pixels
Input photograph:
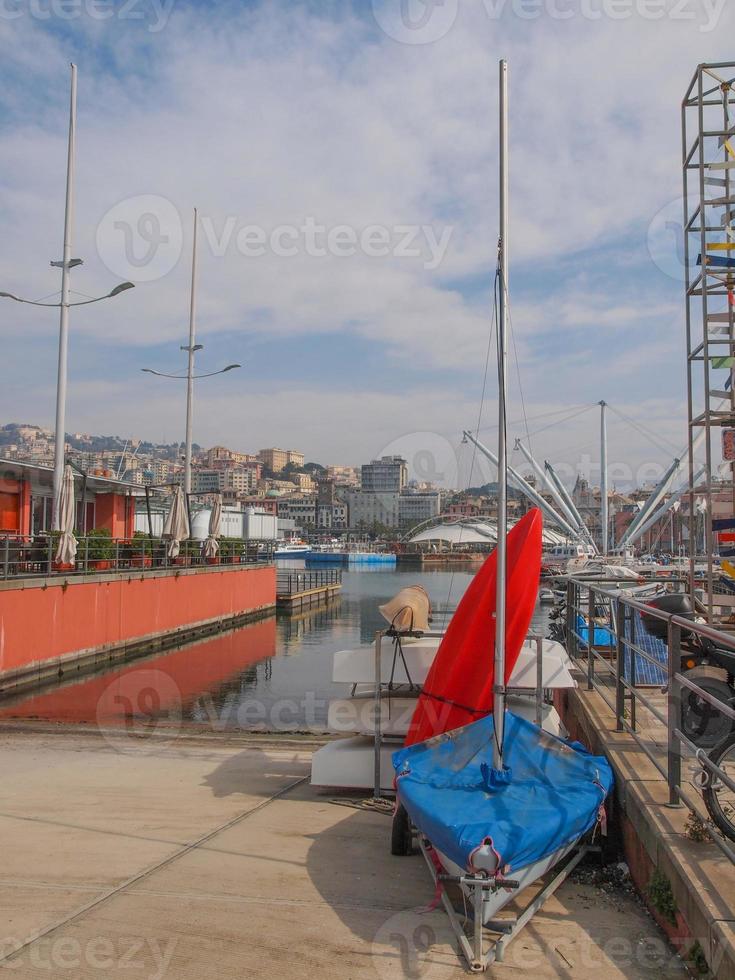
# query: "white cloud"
{"type": "Point", "coordinates": [276, 114]}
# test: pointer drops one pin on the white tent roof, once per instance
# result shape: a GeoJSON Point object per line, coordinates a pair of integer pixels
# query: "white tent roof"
{"type": "Point", "coordinates": [474, 532]}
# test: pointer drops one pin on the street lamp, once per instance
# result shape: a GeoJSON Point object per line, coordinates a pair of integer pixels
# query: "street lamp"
{"type": "Point", "coordinates": [66, 264]}
{"type": "Point", "coordinates": [191, 349]}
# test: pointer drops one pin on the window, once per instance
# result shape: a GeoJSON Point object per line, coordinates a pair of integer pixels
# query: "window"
{"type": "Point", "coordinates": [42, 510]}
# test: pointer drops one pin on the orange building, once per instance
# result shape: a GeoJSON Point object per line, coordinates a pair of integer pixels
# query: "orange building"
{"type": "Point", "coordinates": [26, 501]}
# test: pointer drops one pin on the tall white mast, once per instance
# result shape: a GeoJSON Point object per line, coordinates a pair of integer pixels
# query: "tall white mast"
{"type": "Point", "coordinates": [603, 476]}
{"type": "Point", "coordinates": [499, 691]}
{"type": "Point", "coordinates": [191, 349]}
{"type": "Point", "coordinates": [66, 266]}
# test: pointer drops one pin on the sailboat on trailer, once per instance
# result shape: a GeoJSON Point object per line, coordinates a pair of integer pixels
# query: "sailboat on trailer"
{"type": "Point", "coordinates": [498, 801]}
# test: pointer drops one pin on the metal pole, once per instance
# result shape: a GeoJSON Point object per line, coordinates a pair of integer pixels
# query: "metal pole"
{"type": "Point", "coordinates": [526, 489]}
{"type": "Point", "coordinates": [620, 615]}
{"type": "Point", "coordinates": [673, 754]}
{"type": "Point", "coordinates": [539, 680]}
{"type": "Point", "coordinates": [190, 368]}
{"type": "Point", "coordinates": [65, 290]}
{"type": "Point", "coordinates": [378, 716]}
{"type": "Point", "coordinates": [572, 507]}
{"type": "Point", "coordinates": [603, 477]}
{"type": "Point", "coordinates": [499, 690]}
{"type": "Point", "coordinates": [658, 494]}
{"type": "Point", "coordinates": [547, 482]}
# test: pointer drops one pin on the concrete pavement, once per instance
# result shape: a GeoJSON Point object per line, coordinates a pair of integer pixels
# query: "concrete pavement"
{"type": "Point", "coordinates": [213, 857]}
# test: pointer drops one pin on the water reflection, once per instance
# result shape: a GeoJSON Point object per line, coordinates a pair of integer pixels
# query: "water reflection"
{"type": "Point", "coordinates": [275, 674]}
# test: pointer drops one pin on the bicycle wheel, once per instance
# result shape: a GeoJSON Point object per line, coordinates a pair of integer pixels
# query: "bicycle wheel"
{"type": "Point", "coordinates": [718, 798]}
{"type": "Point", "coordinates": [701, 722]}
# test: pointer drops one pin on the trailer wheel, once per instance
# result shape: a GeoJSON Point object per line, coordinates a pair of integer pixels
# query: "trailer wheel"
{"type": "Point", "coordinates": [401, 837]}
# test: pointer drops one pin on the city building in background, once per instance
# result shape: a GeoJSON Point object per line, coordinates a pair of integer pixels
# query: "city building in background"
{"type": "Point", "coordinates": [277, 460]}
{"type": "Point", "coordinates": [388, 474]}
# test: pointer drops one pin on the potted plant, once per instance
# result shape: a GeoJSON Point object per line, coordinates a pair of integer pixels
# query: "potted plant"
{"type": "Point", "coordinates": [140, 550]}
{"type": "Point", "coordinates": [188, 550]}
{"type": "Point", "coordinates": [213, 559]}
{"type": "Point", "coordinates": [100, 550]}
{"type": "Point", "coordinates": [235, 548]}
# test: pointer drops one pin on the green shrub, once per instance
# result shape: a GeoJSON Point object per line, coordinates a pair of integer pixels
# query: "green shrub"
{"type": "Point", "coordinates": [662, 897]}
{"type": "Point", "coordinates": [100, 547]}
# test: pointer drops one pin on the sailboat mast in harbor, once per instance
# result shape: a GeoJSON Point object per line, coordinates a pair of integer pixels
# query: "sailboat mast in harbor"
{"type": "Point", "coordinates": [500, 606]}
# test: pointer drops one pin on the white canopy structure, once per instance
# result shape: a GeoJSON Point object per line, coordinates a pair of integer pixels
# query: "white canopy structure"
{"type": "Point", "coordinates": [473, 532]}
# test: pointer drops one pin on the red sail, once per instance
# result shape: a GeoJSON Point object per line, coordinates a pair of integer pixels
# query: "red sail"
{"type": "Point", "coordinates": [459, 687]}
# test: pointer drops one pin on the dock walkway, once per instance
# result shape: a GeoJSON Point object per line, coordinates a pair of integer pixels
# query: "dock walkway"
{"type": "Point", "coordinates": [168, 858]}
{"type": "Point", "coordinates": [657, 837]}
{"type": "Point", "coordinates": [297, 588]}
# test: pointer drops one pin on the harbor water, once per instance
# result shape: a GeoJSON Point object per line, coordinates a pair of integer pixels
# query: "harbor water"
{"type": "Point", "coordinates": [274, 674]}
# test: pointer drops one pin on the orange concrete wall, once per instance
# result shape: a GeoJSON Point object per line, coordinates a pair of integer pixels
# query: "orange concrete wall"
{"type": "Point", "coordinates": [116, 513]}
{"type": "Point", "coordinates": [43, 621]}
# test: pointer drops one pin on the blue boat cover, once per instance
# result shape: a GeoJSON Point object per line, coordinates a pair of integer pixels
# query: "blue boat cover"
{"type": "Point", "coordinates": [552, 798]}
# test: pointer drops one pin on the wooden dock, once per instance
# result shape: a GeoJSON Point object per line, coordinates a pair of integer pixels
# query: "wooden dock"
{"type": "Point", "coordinates": [298, 589]}
{"type": "Point", "coordinates": [428, 559]}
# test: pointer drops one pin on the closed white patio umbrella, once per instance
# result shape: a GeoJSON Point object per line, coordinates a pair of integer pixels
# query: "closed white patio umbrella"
{"type": "Point", "coordinates": [211, 545]}
{"type": "Point", "coordinates": [176, 528]}
{"type": "Point", "coordinates": [66, 550]}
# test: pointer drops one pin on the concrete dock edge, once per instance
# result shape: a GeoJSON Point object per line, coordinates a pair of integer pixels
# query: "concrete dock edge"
{"type": "Point", "coordinates": [694, 880]}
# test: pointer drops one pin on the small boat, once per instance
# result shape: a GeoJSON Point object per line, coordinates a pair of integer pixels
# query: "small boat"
{"type": "Point", "coordinates": [291, 549]}
{"type": "Point", "coordinates": [349, 762]}
{"type": "Point", "coordinates": [497, 836]}
{"type": "Point", "coordinates": [546, 597]}
{"type": "Point", "coordinates": [495, 801]}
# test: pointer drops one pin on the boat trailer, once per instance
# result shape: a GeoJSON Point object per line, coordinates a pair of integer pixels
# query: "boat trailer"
{"type": "Point", "coordinates": [479, 954]}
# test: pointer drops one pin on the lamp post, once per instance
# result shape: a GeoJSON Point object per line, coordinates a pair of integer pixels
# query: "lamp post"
{"type": "Point", "coordinates": [191, 349]}
{"type": "Point", "coordinates": [190, 378]}
{"type": "Point", "coordinates": [66, 264]}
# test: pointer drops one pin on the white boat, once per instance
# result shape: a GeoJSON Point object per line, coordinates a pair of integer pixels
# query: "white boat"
{"type": "Point", "coordinates": [291, 549]}
{"type": "Point", "coordinates": [499, 801]}
{"type": "Point", "coordinates": [350, 762]}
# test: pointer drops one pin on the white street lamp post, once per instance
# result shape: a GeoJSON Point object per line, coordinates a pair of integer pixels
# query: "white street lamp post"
{"type": "Point", "coordinates": [191, 350]}
{"type": "Point", "coordinates": [66, 264]}
{"type": "Point", "coordinates": [190, 377]}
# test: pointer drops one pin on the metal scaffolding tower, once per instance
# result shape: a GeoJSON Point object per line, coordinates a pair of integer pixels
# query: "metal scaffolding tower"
{"type": "Point", "coordinates": [708, 162]}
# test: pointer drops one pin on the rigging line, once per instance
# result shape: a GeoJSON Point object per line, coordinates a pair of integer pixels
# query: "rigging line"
{"type": "Point", "coordinates": [511, 331]}
{"type": "Point", "coordinates": [542, 415]}
{"type": "Point", "coordinates": [493, 328]}
{"type": "Point", "coordinates": [567, 418]}
{"type": "Point", "coordinates": [501, 392]}
{"type": "Point", "coordinates": [644, 431]}
{"type": "Point", "coordinates": [41, 299]}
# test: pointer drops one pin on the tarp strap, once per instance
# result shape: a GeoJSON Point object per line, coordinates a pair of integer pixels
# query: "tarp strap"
{"type": "Point", "coordinates": [440, 870]}
{"type": "Point", "coordinates": [480, 712]}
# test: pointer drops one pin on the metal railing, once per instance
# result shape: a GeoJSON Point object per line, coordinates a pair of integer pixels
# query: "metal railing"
{"type": "Point", "coordinates": [585, 602]}
{"type": "Point", "coordinates": [291, 582]}
{"type": "Point", "coordinates": [22, 556]}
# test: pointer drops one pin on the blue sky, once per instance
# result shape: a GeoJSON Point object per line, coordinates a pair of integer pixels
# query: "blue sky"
{"type": "Point", "coordinates": [268, 115]}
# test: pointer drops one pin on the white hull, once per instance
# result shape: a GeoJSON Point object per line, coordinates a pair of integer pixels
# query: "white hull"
{"type": "Point", "coordinates": [356, 715]}
{"type": "Point", "coordinates": [358, 666]}
{"type": "Point", "coordinates": [349, 763]}
{"type": "Point", "coordinates": [495, 902]}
